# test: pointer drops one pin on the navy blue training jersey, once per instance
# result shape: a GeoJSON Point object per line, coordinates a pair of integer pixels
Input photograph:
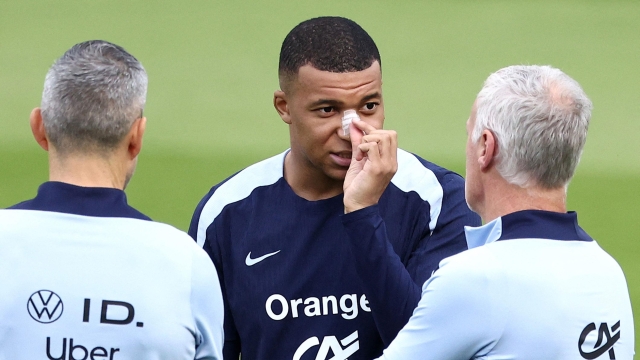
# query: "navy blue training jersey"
{"type": "Point", "coordinates": [302, 280]}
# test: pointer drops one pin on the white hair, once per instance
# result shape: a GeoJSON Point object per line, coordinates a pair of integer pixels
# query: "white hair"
{"type": "Point", "coordinates": [92, 95]}
{"type": "Point", "coordinates": [539, 117]}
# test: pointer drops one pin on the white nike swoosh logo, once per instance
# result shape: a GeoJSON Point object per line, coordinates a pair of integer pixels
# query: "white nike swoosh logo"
{"type": "Point", "coordinates": [249, 261]}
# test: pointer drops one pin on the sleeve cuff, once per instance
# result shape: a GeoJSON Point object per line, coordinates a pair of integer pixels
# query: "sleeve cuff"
{"type": "Point", "coordinates": [361, 214]}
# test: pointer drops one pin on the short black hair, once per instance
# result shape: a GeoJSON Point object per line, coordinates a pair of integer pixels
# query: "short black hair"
{"type": "Point", "coordinates": [328, 43]}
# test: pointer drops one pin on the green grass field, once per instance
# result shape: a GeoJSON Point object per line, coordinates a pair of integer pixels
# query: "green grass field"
{"type": "Point", "coordinates": [213, 70]}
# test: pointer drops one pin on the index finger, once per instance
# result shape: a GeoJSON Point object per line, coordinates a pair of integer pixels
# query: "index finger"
{"type": "Point", "coordinates": [363, 126]}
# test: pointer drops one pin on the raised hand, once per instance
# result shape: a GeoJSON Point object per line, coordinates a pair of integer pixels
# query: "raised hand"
{"type": "Point", "coordinates": [373, 164]}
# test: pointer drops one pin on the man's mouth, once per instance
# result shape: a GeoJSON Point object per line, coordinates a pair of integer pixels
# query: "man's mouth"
{"type": "Point", "coordinates": [342, 158]}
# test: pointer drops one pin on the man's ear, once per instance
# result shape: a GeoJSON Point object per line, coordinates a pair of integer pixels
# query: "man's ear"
{"type": "Point", "coordinates": [282, 106]}
{"type": "Point", "coordinates": [135, 137]}
{"type": "Point", "coordinates": [37, 128]}
{"type": "Point", "coordinates": [487, 149]}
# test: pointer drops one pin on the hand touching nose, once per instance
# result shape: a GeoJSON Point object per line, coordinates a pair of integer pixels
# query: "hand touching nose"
{"type": "Point", "coordinates": [373, 164]}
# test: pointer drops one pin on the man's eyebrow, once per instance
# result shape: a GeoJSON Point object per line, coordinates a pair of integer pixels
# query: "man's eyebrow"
{"type": "Point", "coordinates": [327, 102]}
{"type": "Point", "coordinates": [375, 95]}
{"type": "Point", "coordinates": [331, 102]}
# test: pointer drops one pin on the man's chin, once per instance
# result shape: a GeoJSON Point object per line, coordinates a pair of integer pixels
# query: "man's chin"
{"type": "Point", "coordinates": [337, 174]}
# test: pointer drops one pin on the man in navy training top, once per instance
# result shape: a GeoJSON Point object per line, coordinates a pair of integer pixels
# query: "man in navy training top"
{"type": "Point", "coordinates": [300, 278]}
{"type": "Point", "coordinates": [84, 275]}
{"type": "Point", "coordinates": [533, 285]}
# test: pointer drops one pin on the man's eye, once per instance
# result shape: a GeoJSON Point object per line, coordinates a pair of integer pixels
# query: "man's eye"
{"type": "Point", "coordinates": [326, 111]}
{"type": "Point", "coordinates": [369, 106]}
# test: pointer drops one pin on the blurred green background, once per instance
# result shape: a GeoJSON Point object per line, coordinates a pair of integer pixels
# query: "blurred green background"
{"type": "Point", "coordinates": [213, 69]}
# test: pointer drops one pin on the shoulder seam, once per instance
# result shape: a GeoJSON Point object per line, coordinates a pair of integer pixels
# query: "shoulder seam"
{"type": "Point", "coordinates": [413, 175]}
{"type": "Point", "coordinates": [239, 187]}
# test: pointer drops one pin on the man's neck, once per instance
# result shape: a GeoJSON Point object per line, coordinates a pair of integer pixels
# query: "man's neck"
{"type": "Point", "coordinates": [309, 184]}
{"type": "Point", "coordinates": [510, 199]}
{"type": "Point", "coordinates": [87, 170]}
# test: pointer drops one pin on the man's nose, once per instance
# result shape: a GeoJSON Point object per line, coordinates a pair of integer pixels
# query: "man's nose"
{"type": "Point", "coordinates": [344, 135]}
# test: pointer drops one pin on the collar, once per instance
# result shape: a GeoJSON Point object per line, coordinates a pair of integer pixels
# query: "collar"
{"type": "Point", "coordinates": [536, 224]}
{"type": "Point", "coordinates": [88, 201]}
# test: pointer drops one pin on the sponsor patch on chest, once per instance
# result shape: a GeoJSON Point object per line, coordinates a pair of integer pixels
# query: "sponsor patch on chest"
{"type": "Point", "coordinates": [278, 307]}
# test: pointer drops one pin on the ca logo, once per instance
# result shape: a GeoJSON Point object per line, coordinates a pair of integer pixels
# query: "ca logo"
{"type": "Point", "coordinates": [600, 348]}
{"type": "Point", "coordinates": [45, 306]}
{"type": "Point", "coordinates": [350, 342]}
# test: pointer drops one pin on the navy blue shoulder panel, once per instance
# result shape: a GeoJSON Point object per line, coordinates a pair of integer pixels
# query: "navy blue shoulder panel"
{"type": "Point", "coordinates": [438, 170]}
{"type": "Point", "coordinates": [88, 201]}
{"type": "Point", "coordinates": [195, 218]}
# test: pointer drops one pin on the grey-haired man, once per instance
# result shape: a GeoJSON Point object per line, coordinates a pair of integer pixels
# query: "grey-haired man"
{"type": "Point", "coordinates": [533, 285]}
{"type": "Point", "coordinates": [84, 275]}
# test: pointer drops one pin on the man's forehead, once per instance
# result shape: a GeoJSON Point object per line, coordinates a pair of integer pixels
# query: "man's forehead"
{"type": "Point", "coordinates": [312, 79]}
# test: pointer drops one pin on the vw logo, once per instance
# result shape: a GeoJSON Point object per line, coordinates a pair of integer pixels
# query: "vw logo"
{"type": "Point", "coordinates": [45, 306]}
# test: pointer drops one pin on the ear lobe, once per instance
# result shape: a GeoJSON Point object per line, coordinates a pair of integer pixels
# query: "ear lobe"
{"type": "Point", "coordinates": [37, 129]}
{"type": "Point", "coordinates": [135, 137]}
{"type": "Point", "coordinates": [487, 149]}
{"type": "Point", "coordinates": [282, 106]}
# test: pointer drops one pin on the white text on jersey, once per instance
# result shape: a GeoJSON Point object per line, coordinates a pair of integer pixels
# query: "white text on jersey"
{"type": "Point", "coordinates": [313, 306]}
